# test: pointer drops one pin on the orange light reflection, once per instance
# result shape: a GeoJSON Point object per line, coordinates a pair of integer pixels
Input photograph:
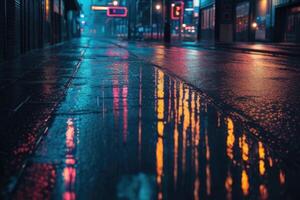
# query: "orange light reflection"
{"type": "Point", "coordinates": [160, 131]}
{"type": "Point", "coordinates": [230, 138]}
{"type": "Point", "coordinates": [261, 154]}
{"type": "Point", "coordinates": [245, 183]}
{"type": "Point", "coordinates": [228, 185]}
{"type": "Point", "coordinates": [186, 124]}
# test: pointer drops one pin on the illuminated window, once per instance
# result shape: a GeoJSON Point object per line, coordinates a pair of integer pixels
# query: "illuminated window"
{"type": "Point", "coordinates": [242, 17]}
{"type": "Point", "coordinates": [208, 18]}
{"type": "Point", "coordinates": [47, 9]}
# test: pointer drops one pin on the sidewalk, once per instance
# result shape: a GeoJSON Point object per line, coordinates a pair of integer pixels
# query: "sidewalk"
{"type": "Point", "coordinates": [32, 86]}
{"type": "Point", "coordinates": [280, 49]}
{"type": "Point", "coordinates": [126, 129]}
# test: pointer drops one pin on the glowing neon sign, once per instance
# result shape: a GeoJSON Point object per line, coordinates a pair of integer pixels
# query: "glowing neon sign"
{"type": "Point", "coordinates": [99, 8]}
{"type": "Point", "coordinates": [117, 11]}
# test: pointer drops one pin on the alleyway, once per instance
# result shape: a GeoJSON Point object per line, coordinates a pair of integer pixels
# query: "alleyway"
{"type": "Point", "coordinates": [101, 119]}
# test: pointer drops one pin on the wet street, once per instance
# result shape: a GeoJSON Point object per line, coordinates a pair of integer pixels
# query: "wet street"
{"type": "Point", "coordinates": [104, 119]}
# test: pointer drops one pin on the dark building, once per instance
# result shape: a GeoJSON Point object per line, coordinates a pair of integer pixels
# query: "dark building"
{"type": "Point", "coordinates": [287, 20]}
{"type": "Point", "coordinates": [253, 20]}
{"type": "Point", "coordinates": [207, 19]}
{"type": "Point", "coordinates": [27, 25]}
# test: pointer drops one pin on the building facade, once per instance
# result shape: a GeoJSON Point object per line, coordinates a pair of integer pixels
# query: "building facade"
{"type": "Point", "coordinates": [27, 25]}
{"type": "Point", "coordinates": [250, 20]}
{"type": "Point", "coordinates": [207, 20]}
{"type": "Point", "coordinates": [286, 20]}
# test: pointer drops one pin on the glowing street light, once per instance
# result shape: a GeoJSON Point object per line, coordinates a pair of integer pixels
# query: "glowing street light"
{"type": "Point", "coordinates": [158, 7]}
{"type": "Point", "coordinates": [115, 3]}
{"type": "Point", "coordinates": [254, 25]}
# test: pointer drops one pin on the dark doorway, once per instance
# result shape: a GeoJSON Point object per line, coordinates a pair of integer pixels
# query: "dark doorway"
{"type": "Point", "coordinates": [292, 29]}
{"type": "Point", "coordinates": [287, 24]}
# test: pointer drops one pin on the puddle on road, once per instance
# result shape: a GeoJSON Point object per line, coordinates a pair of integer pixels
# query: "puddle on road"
{"type": "Point", "coordinates": [154, 137]}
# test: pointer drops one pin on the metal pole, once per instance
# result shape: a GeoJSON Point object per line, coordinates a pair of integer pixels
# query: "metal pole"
{"type": "Point", "coordinates": [151, 22]}
{"type": "Point", "coordinates": [199, 25]}
{"type": "Point", "coordinates": [180, 24]}
{"type": "Point", "coordinates": [135, 18]}
{"type": "Point", "coordinates": [181, 21]}
{"type": "Point", "coordinates": [167, 27]}
{"type": "Point", "coordinates": [5, 31]}
{"type": "Point", "coordinates": [163, 18]}
{"type": "Point", "coordinates": [271, 23]}
{"type": "Point", "coordinates": [129, 20]}
{"type": "Point", "coordinates": [157, 27]}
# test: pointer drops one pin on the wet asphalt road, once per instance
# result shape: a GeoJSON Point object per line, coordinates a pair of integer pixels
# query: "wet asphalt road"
{"type": "Point", "coordinates": [261, 89]}
{"type": "Point", "coordinates": [204, 124]}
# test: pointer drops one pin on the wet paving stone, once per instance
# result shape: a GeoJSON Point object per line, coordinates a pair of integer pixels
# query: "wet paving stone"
{"type": "Point", "coordinates": [26, 105]}
{"type": "Point", "coordinates": [128, 130]}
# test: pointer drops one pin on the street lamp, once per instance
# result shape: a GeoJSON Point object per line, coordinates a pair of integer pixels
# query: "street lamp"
{"type": "Point", "coordinates": [158, 7]}
{"type": "Point", "coordinates": [115, 3]}
{"type": "Point", "coordinates": [151, 22]}
{"type": "Point", "coordinates": [254, 25]}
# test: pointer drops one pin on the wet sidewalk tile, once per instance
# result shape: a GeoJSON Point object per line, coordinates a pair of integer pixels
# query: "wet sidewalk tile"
{"type": "Point", "coordinates": [127, 130]}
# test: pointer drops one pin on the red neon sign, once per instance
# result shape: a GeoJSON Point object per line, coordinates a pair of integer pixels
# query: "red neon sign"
{"type": "Point", "coordinates": [115, 11]}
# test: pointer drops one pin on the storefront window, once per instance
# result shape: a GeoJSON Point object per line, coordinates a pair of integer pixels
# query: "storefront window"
{"type": "Point", "coordinates": [293, 25]}
{"type": "Point", "coordinates": [47, 9]}
{"type": "Point", "coordinates": [212, 17]}
{"type": "Point", "coordinates": [208, 18]}
{"type": "Point", "coordinates": [261, 11]}
{"type": "Point", "coordinates": [242, 17]}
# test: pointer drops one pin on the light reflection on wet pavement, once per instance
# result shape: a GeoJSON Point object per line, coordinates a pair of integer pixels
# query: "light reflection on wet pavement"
{"type": "Point", "coordinates": [262, 89]}
{"type": "Point", "coordinates": [31, 87]}
{"type": "Point", "coordinates": [127, 130]}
